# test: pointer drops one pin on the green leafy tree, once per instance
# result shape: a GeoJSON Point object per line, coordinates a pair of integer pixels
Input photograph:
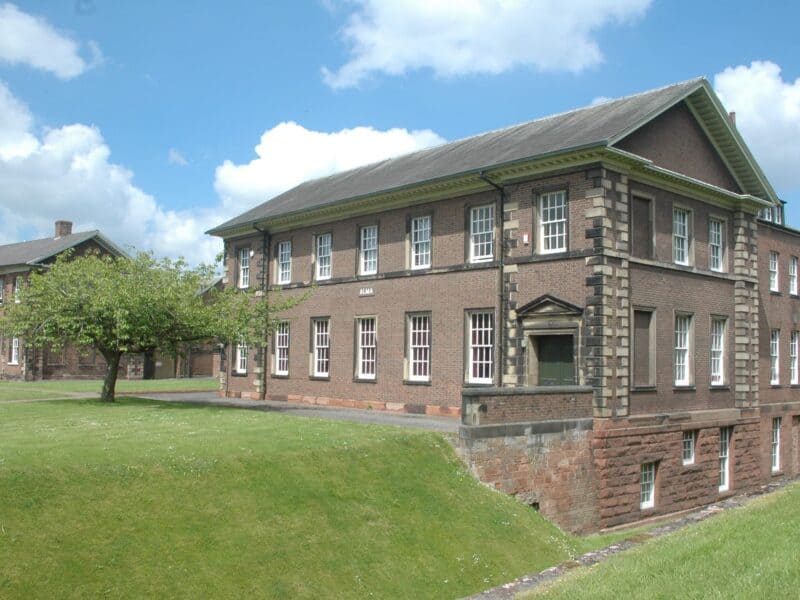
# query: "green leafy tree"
{"type": "Point", "coordinates": [135, 304]}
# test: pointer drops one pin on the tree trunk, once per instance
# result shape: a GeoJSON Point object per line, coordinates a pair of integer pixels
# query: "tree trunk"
{"type": "Point", "coordinates": [110, 381]}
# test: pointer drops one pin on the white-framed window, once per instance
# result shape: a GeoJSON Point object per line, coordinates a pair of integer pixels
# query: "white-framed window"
{"type": "Point", "coordinates": [321, 351]}
{"type": "Point", "coordinates": [244, 268]}
{"type": "Point", "coordinates": [794, 372]}
{"type": "Point", "coordinates": [368, 255]}
{"type": "Point", "coordinates": [13, 356]}
{"type": "Point", "coordinates": [716, 245]}
{"type": "Point", "coordinates": [419, 347]}
{"type": "Point", "coordinates": [647, 486]}
{"type": "Point", "coordinates": [680, 236]}
{"type": "Point", "coordinates": [17, 286]}
{"type": "Point", "coordinates": [772, 214]}
{"type": "Point", "coordinates": [322, 255]}
{"type": "Point", "coordinates": [367, 355]}
{"type": "Point", "coordinates": [774, 284]}
{"type": "Point", "coordinates": [793, 275]}
{"type": "Point", "coordinates": [683, 328]}
{"type": "Point", "coordinates": [689, 443]}
{"type": "Point", "coordinates": [241, 357]}
{"type": "Point", "coordinates": [717, 352]}
{"type": "Point", "coordinates": [724, 455]}
{"type": "Point", "coordinates": [553, 222]}
{"type": "Point", "coordinates": [481, 347]}
{"type": "Point", "coordinates": [285, 262]}
{"type": "Point", "coordinates": [2, 288]}
{"type": "Point", "coordinates": [282, 348]}
{"type": "Point", "coordinates": [776, 444]}
{"type": "Point", "coordinates": [481, 233]}
{"type": "Point", "coordinates": [775, 357]}
{"type": "Point", "coordinates": [420, 242]}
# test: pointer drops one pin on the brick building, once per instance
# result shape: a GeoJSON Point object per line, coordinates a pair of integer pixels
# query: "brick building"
{"type": "Point", "coordinates": [607, 297]}
{"type": "Point", "coordinates": [19, 360]}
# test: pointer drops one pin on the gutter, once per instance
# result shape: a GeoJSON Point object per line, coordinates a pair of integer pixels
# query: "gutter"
{"type": "Point", "coordinates": [501, 294]}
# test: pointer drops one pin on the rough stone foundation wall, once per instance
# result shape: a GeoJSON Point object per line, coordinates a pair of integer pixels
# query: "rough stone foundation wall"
{"type": "Point", "coordinates": [622, 448]}
{"type": "Point", "coordinates": [549, 465]}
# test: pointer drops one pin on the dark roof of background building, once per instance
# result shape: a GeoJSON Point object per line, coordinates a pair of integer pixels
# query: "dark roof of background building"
{"type": "Point", "coordinates": [600, 124]}
{"type": "Point", "coordinates": [36, 251]}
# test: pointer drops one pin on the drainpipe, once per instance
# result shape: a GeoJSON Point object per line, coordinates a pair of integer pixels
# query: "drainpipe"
{"type": "Point", "coordinates": [501, 295]}
{"type": "Point", "coordinates": [265, 241]}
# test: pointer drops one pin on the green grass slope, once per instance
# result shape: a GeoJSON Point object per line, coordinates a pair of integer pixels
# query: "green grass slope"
{"type": "Point", "coordinates": [147, 499]}
{"type": "Point", "coordinates": [35, 390]}
{"type": "Point", "coordinates": [749, 552]}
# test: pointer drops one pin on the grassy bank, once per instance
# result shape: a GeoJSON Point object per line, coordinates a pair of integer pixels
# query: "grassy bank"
{"type": "Point", "coordinates": [750, 552]}
{"type": "Point", "coordinates": [36, 390]}
{"type": "Point", "coordinates": [147, 499]}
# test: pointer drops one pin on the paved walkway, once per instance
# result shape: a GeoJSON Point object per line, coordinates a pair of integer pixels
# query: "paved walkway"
{"type": "Point", "coordinates": [305, 410]}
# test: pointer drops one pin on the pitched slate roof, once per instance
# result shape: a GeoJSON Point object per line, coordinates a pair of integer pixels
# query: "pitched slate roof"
{"type": "Point", "coordinates": [598, 125]}
{"type": "Point", "coordinates": [36, 251]}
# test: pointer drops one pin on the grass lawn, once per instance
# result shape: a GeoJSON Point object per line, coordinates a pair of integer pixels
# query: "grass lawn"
{"type": "Point", "coordinates": [750, 552]}
{"type": "Point", "coordinates": [34, 390]}
{"type": "Point", "coordinates": [148, 499]}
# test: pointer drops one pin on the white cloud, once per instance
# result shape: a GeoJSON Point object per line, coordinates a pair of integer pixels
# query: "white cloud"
{"type": "Point", "coordinates": [66, 173]}
{"type": "Point", "coordinates": [768, 117]}
{"type": "Point", "coordinates": [457, 37]}
{"type": "Point", "coordinates": [289, 154]}
{"type": "Point", "coordinates": [174, 157]}
{"type": "Point", "coordinates": [29, 40]}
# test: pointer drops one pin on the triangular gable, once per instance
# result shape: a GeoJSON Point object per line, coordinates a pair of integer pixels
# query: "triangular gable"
{"type": "Point", "coordinates": [713, 120]}
{"type": "Point", "coordinates": [675, 140]}
{"type": "Point", "coordinates": [549, 305]}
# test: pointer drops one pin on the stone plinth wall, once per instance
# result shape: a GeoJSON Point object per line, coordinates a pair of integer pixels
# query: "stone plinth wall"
{"type": "Point", "coordinates": [548, 465]}
{"type": "Point", "coordinates": [488, 406]}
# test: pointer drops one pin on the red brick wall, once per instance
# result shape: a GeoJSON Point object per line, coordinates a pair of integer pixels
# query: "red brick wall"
{"type": "Point", "coordinates": [667, 291]}
{"type": "Point", "coordinates": [496, 407]}
{"type": "Point", "coordinates": [777, 310]}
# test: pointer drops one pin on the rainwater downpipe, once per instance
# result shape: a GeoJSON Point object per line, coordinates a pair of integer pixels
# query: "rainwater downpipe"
{"type": "Point", "coordinates": [501, 295]}
{"type": "Point", "coordinates": [265, 241]}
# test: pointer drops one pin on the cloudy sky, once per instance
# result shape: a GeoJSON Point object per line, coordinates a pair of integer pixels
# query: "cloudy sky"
{"type": "Point", "coordinates": [155, 121]}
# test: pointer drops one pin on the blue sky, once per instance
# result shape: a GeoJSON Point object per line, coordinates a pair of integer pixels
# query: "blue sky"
{"type": "Point", "coordinates": [154, 121]}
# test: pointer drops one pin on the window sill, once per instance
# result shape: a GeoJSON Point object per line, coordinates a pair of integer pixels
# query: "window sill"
{"type": "Point", "coordinates": [319, 377]}
{"type": "Point", "coordinates": [648, 510]}
{"type": "Point", "coordinates": [364, 380]}
{"type": "Point", "coordinates": [416, 382]}
{"type": "Point", "coordinates": [727, 493]}
{"type": "Point", "coordinates": [14, 364]}
{"type": "Point", "coordinates": [777, 473]}
{"type": "Point", "coordinates": [719, 388]}
{"type": "Point", "coordinates": [237, 374]}
{"type": "Point", "coordinates": [692, 466]}
{"type": "Point", "coordinates": [644, 388]}
{"type": "Point", "coordinates": [279, 376]}
{"type": "Point", "coordinates": [775, 386]}
{"type": "Point", "coordinates": [775, 293]}
{"type": "Point", "coordinates": [684, 388]}
{"type": "Point", "coordinates": [477, 384]}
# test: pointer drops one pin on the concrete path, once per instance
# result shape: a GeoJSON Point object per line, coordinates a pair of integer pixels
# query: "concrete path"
{"type": "Point", "coordinates": [305, 410]}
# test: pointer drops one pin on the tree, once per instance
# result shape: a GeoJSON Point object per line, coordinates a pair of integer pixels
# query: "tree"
{"type": "Point", "coordinates": [133, 304]}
